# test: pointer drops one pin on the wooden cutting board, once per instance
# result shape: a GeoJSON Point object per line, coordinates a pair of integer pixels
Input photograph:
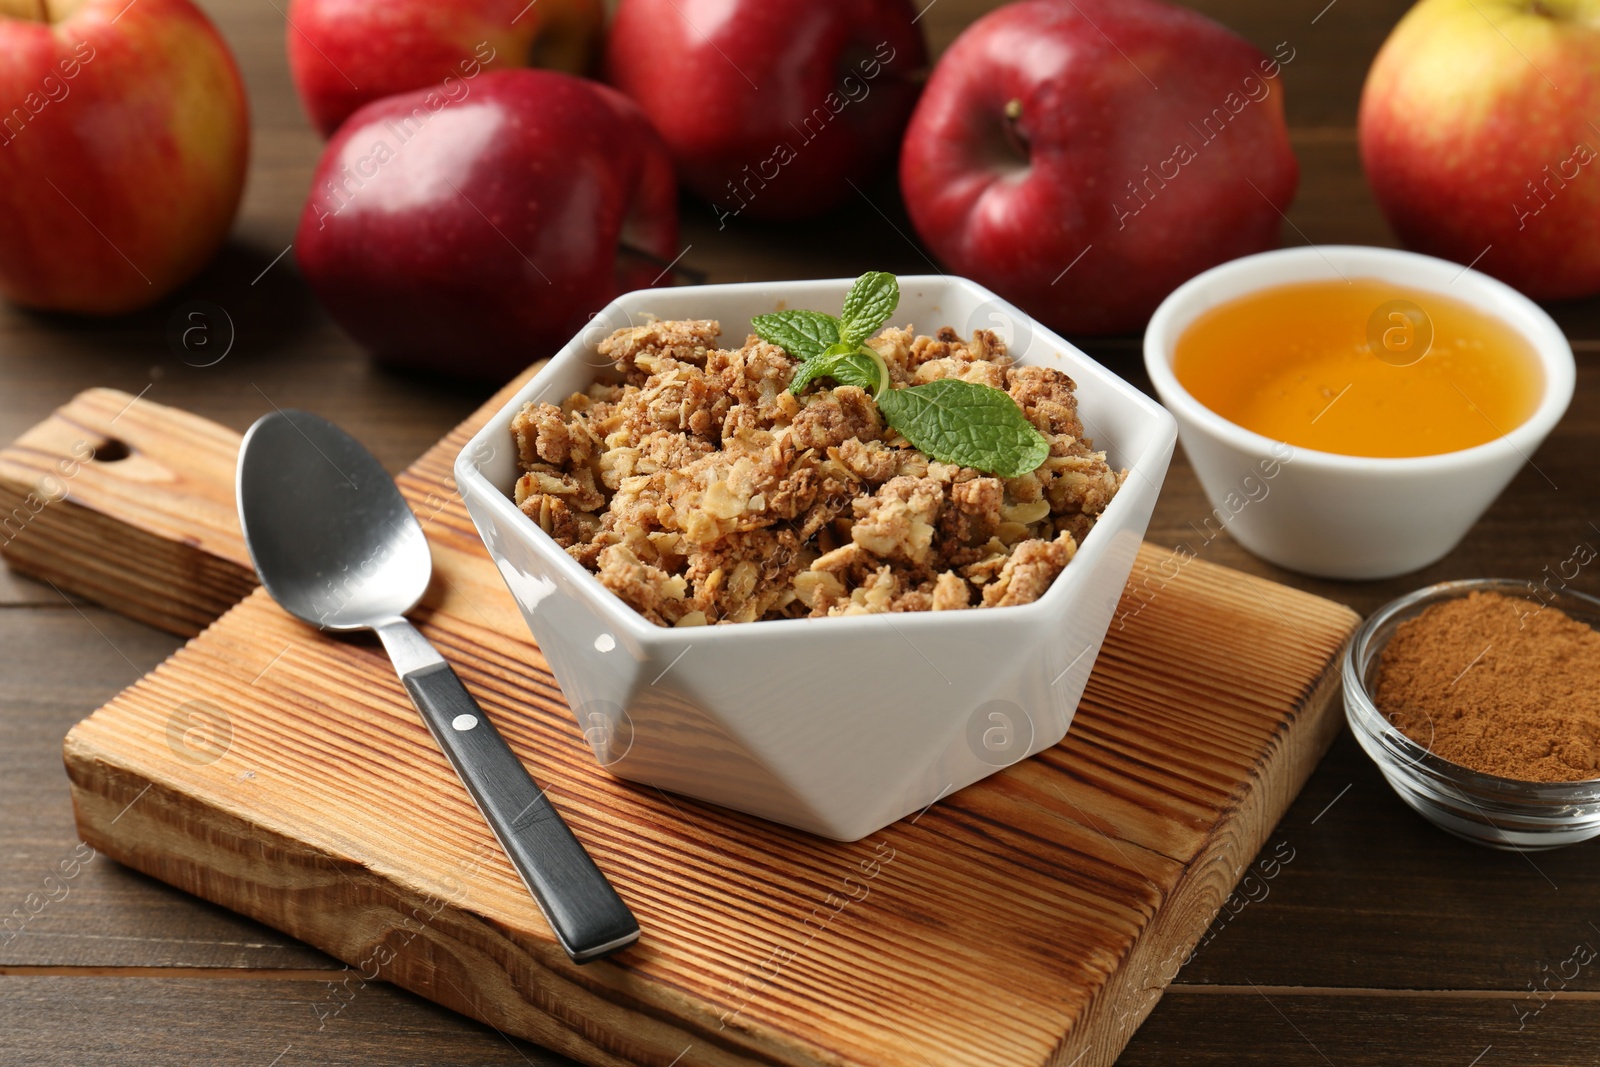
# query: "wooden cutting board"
{"type": "Point", "coordinates": [1031, 919]}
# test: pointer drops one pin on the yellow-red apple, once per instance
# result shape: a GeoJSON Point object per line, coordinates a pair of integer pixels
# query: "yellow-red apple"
{"type": "Point", "coordinates": [124, 136]}
{"type": "Point", "coordinates": [1479, 137]}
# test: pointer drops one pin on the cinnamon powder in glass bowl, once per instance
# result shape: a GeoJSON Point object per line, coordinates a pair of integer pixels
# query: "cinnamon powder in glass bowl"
{"type": "Point", "coordinates": [1499, 684]}
{"type": "Point", "coordinates": [1480, 703]}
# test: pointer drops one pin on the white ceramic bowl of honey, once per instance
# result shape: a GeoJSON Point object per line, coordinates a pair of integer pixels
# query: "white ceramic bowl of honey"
{"type": "Point", "coordinates": [1352, 411]}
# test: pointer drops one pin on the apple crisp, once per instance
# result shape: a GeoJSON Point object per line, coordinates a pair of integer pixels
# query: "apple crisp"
{"type": "Point", "coordinates": [700, 490]}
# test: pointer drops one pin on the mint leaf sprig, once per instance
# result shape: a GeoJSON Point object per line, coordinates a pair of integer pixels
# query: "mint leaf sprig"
{"type": "Point", "coordinates": [813, 335]}
{"type": "Point", "coordinates": [952, 420]}
{"type": "Point", "coordinates": [968, 424]}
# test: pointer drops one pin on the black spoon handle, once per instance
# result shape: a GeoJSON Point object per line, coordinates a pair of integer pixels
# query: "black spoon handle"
{"type": "Point", "coordinates": [588, 917]}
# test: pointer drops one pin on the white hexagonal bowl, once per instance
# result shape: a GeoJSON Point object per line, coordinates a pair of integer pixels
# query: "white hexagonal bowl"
{"type": "Point", "coordinates": [838, 726]}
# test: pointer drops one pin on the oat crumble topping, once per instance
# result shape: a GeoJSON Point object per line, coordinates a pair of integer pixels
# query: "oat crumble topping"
{"type": "Point", "coordinates": [699, 490]}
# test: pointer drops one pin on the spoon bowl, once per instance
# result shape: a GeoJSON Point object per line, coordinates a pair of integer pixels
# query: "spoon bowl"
{"type": "Point", "coordinates": [334, 541]}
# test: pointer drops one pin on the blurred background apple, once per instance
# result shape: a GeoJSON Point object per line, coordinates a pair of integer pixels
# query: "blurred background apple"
{"type": "Point", "coordinates": [123, 154]}
{"type": "Point", "coordinates": [480, 236]}
{"type": "Point", "coordinates": [1479, 139]}
{"type": "Point", "coordinates": [771, 107]}
{"type": "Point", "coordinates": [346, 53]}
{"type": "Point", "coordinates": [1083, 158]}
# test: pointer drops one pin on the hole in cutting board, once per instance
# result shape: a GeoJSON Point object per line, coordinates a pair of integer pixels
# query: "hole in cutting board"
{"type": "Point", "coordinates": [111, 450]}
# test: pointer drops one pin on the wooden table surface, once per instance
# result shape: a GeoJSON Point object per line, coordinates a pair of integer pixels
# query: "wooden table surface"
{"type": "Point", "coordinates": [1381, 941]}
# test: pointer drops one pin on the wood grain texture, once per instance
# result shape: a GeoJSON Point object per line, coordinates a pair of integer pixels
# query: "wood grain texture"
{"type": "Point", "coordinates": [1068, 888]}
{"type": "Point", "coordinates": [128, 504]}
{"type": "Point", "coordinates": [242, 1021]}
{"type": "Point", "coordinates": [60, 906]}
{"type": "Point", "coordinates": [159, 1021]}
{"type": "Point", "coordinates": [1374, 898]}
{"type": "Point", "coordinates": [1309, 1027]}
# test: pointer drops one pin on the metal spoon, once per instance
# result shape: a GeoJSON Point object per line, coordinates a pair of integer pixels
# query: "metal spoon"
{"type": "Point", "coordinates": [337, 546]}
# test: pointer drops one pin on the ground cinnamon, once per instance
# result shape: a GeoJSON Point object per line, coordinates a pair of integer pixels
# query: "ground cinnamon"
{"type": "Point", "coordinates": [1499, 684]}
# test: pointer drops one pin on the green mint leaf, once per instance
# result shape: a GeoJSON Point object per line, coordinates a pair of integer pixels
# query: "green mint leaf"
{"type": "Point", "coordinates": [845, 364]}
{"type": "Point", "coordinates": [802, 334]}
{"type": "Point", "coordinates": [870, 302]}
{"type": "Point", "coordinates": [968, 424]}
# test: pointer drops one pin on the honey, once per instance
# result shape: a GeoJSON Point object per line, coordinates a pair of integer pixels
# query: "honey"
{"type": "Point", "coordinates": [1361, 368]}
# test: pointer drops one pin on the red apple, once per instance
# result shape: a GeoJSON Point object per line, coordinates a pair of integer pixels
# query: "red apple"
{"type": "Point", "coordinates": [1083, 158]}
{"type": "Point", "coordinates": [475, 234]}
{"type": "Point", "coordinates": [346, 53]}
{"type": "Point", "coordinates": [1479, 140]}
{"type": "Point", "coordinates": [124, 136]}
{"type": "Point", "coordinates": [771, 107]}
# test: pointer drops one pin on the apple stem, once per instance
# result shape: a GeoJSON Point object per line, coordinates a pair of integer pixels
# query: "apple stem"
{"type": "Point", "coordinates": [44, 9]}
{"type": "Point", "coordinates": [1013, 126]}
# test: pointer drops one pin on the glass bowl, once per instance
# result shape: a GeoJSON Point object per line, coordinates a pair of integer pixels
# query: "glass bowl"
{"type": "Point", "coordinates": [1504, 813]}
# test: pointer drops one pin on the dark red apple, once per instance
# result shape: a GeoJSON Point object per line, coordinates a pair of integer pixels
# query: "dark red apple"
{"type": "Point", "coordinates": [477, 235]}
{"type": "Point", "coordinates": [771, 107]}
{"type": "Point", "coordinates": [346, 53]}
{"type": "Point", "coordinates": [1083, 158]}
{"type": "Point", "coordinates": [124, 136]}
